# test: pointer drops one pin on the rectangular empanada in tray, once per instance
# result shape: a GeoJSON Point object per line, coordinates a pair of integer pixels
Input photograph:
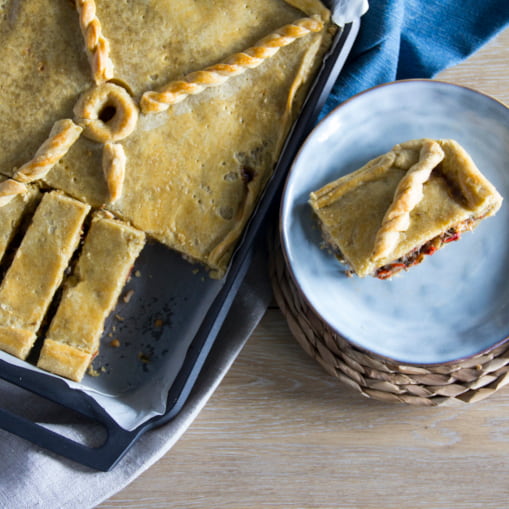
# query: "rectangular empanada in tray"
{"type": "Point", "coordinates": [186, 132]}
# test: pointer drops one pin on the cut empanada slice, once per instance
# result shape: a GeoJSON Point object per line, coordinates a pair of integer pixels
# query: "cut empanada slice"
{"type": "Point", "coordinates": [403, 205]}
{"type": "Point", "coordinates": [90, 293]}
{"type": "Point", "coordinates": [37, 270]}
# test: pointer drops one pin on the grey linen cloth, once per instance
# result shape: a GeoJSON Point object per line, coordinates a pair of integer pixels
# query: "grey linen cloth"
{"type": "Point", "coordinates": [32, 477]}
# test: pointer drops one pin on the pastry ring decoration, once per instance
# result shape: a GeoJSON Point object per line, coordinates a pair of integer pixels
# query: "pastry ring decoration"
{"type": "Point", "coordinates": [106, 113]}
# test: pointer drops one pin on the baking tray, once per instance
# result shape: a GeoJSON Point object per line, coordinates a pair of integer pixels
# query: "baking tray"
{"type": "Point", "coordinates": [167, 325]}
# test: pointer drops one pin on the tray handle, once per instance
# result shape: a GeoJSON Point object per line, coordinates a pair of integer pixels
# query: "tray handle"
{"type": "Point", "coordinates": [103, 458]}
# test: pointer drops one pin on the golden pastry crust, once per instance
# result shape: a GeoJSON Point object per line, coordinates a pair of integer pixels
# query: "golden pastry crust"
{"type": "Point", "coordinates": [403, 205]}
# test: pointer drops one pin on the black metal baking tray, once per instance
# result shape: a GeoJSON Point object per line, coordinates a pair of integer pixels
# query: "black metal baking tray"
{"type": "Point", "coordinates": [149, 321]}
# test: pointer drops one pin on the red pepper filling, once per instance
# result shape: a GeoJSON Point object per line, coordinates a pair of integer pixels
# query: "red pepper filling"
{"type": "Point", "coordinates": [417, 255]}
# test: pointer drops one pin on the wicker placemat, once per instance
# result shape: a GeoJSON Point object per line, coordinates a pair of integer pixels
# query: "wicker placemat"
{"type": "Point", "coordinates": [461, 382]}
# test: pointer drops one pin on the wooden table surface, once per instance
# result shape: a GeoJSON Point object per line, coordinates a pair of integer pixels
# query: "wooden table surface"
{"type": "Point", "coordinates": [280, 432]}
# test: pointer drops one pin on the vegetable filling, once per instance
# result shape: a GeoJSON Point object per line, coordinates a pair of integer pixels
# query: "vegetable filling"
{"type": "Point", "coordinates": [417, 255]}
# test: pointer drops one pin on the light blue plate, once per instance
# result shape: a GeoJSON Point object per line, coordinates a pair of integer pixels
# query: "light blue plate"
{"type": "Point", "coordinates": [456, 303]}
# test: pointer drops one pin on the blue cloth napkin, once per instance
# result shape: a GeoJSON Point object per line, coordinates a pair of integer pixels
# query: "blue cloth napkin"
{"type": "Point", "coordinates": [402, 39]}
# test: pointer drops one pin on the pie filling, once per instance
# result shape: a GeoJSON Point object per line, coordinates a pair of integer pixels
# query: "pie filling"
{"type": "Point", "coordinates": [430, 247]}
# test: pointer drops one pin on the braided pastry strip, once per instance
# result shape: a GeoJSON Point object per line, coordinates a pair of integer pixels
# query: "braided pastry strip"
{"type": "Point", "coordinates": [196, 82]}
{"type": "Point", "coordinates": [97, 46]}
{"type": "Point", "coordinates": [61, 137]}
{"type": "Point", "coordinates": [407, 195]}
{"type": "Point", "coordinates": [114, 163]}
{"type": "Point", "coordinates": [9, 189]}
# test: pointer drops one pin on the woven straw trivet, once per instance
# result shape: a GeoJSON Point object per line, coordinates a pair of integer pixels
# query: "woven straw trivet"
{"type": "Point", "coordinates": [466, 381]}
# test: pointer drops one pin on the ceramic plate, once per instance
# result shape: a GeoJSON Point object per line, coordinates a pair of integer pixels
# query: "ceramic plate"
{"type": "Point", "coordinates": [456, 303]}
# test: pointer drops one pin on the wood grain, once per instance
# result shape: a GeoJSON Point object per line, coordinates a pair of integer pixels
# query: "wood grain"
{"type": "Point", "coordinates": [279, 432]}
